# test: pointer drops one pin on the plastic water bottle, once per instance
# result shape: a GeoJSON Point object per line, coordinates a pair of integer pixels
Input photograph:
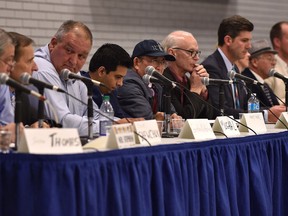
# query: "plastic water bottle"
{"type": "Point", "coordinates": [253, 104]}
{"type": "Point", "coordinates": [107, 109]}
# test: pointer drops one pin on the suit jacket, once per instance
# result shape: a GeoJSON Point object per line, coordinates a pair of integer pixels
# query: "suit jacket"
{"type": "Point", "coordinates": [193, 105]}
{"type": "Point", "coordinates": [260, 94]}
{"type": "Point", "coordinates": [215, 66]}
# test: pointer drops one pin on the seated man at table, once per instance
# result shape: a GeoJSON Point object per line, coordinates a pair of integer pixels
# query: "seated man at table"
{"type": "Point", "coordinates": [67, 49]}
{"type": "Point", "coordinates": [109, 65]}
{"type": "Point", "coordinates": [137, 98]}
{"type": "Point", "coordinates": [261, 61]}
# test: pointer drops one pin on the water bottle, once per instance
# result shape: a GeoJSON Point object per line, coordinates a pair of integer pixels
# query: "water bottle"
{"type": "Point", "coordinates": [253, 104]}
{"type": "Point", "coordinates": [105, 123]}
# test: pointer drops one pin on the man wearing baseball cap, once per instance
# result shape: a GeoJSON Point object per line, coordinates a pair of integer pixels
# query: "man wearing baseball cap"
{"type": "Point", "coordinates": [261, 61]}
{"type": "Point", "coordinates": [140, 99]}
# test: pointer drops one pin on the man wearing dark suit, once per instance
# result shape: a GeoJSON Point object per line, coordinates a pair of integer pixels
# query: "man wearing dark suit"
{"type": "Point", "coordinates": [234, 41]}
{"type": "Point", "coordinates": [191, 98]}
{"type": "Point", "coordinates": [261, 61]}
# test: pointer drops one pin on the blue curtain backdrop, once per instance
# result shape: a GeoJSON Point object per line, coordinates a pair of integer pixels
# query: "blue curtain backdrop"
{"type": "Point", "coordinates": [239, 176]}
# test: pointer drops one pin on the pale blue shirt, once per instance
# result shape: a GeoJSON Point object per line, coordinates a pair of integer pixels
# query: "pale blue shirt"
{"type": "Point", "coordinates": [6, 109]}
{"type": "Point", "coordinates": [70, 112]}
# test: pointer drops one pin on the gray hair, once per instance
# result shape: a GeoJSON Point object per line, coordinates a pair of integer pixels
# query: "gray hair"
{"type": "Point", "coordinates": [69, 25]}
{"type": "Point", "coordinates": [5, 39]}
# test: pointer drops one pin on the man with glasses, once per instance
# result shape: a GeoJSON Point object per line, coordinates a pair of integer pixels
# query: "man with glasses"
{"type": "Point", "coordinates": [234, 41]}
{"type": "Point", "coordinates": [137, 98]}
{"type": "Point", "coordinates": [189, 100]}
{"type": "Point", "coordinates": [261, 61]}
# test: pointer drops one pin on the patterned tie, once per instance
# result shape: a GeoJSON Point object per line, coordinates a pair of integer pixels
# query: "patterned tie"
{"type": "Point", "coordinates": [235, 92]}
{"type": "Point", "coordinates": [266, 90]}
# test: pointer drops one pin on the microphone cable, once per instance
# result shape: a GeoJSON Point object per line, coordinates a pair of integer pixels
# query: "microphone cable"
{"type": "Point", "coordinates": [262, 103]}
{"type": "Point", "coordinates": [215, 108]}
{"type": "Point", "coordinates": [108, 117]}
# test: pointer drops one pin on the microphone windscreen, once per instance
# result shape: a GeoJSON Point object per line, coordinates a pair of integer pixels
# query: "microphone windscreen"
{"type": "Point", "coordinates": [64, 75]}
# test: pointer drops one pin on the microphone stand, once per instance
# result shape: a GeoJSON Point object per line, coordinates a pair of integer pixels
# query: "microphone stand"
{"type": "Point", "coordinates": [89, 84]}
{"type": "Point", "coordinates": [221, 99]}
{"type": "Point", "coordinates": [286, 95]}
{"type": "Point", "coordinates": [167, 111]}
{"type": "Point", "coordinates": [18, 116]}
{"type": "Point", "coordinates": [40, 108]}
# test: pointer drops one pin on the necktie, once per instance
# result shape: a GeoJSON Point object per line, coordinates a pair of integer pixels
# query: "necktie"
{"type": "Point", "coordinates": [266, 90]}
{"type": "Point", "coordinates": [235, 92]}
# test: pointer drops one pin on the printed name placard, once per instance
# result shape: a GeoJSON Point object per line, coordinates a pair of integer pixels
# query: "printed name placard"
{"type": "Point", "coordinates": [284, 118]}
{"type": "Point", "coordinates": [255, 121]}
{"type": "Point", "coordinates": [50, 141]}
{"type": "Point", "coordinates": [197, 129]}
{"type": "Point", "coordinates": [226, 125]}
{"type": "Point", "coordinates": [121, 136]}
{"type": "Point", "coordinates": [147, 130]}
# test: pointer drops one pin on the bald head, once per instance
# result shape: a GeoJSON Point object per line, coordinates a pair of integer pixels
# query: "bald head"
{"type": "Point", "coordinates": [177, 39]}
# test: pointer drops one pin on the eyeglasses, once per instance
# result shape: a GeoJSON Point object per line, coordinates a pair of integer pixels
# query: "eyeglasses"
{"type": "Point", "coordinates": [269, 58]}
{"type": "Point", "coordinates": [193, 53]}
{"type": "Point", "coordinates": [9, 62]}
{"type": "Point", "coordinates": [156, 62]}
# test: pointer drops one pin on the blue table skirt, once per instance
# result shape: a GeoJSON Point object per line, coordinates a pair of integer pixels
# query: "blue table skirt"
{"type": "Point", "coordinates": [236, 176]}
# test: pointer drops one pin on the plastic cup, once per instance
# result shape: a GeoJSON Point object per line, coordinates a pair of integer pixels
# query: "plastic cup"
{"type": "Point", "coordinates": [5, 141]}
{"type": "Point", "coordinates": [177, 125]}
{"type": "Point", "coordinates": [160, 126]}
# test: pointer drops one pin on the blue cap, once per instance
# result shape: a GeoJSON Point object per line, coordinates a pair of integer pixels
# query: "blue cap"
{"type": "Point", "coordinates": [151, 48]}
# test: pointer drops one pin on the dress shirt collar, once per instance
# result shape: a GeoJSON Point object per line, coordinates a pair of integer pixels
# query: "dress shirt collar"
{"type": "Point", "coordinates": [258, 78]}
{"type": "Point", "coordinates": [228, 64]}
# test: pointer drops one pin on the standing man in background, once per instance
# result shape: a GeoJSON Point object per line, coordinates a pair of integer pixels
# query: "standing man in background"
{"type": "Point", "coordinates": [188, 100]}
{"type": "Point", "coordinates": [279, 40]}
{"type": "Point", "coordinates": [234, 41]}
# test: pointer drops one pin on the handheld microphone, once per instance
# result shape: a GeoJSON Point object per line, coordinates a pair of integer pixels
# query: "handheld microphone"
{"type": "Point", "coordinates": [66, 74]}
{"type": "Point", "coordinates": [274, 73]}
{"type": "Point", "coordinates": [5, 79]}
{"type": "Point", "coordinates": [232, 74]}
{"type": "Point", "coordinates": [208, 81]}
{"type": "Point", "coordinates": [149, 79]}
{"type": "Point", "coordinates": [150, 70]}
{"type": "Point", "coordinates": [26, 79]}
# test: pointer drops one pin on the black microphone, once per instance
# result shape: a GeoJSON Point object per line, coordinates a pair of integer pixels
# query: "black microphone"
{"type": "Point", "coordinates": [208, 81]}
{"type": "Point", "coordinates": [26, 79]}
{"type": "Point", "coordinates": [149, 79]}
{"type": "Point", "coordinates": [67, 74]}
{"type": "Point", "coordinates": [5, 79]}
{"type": "Point", "coordinates": [232, 74]}
{"type": "Point", "coordinates": [150, 70]}
{"type": "Point", "coordinates": [274, 73]}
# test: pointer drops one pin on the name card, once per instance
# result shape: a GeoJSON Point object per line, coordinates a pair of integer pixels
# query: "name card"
{"type": "Point", "coordinates": [255, 121]}
{"type": "Point", "coordinates": [226, 125]}
{"type": "Point", "coordinates": [284, 118]}
{"type": "Point", "coordinates": [50, 141]}
{"type": "Point", "coordinates": [121, 136]}
{"type": "Point", "coordinates": [147, 130]}
{"type": "Point", "coordinates": [197, 129]}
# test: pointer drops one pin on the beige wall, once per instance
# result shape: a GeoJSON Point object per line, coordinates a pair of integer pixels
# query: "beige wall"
{"type": "Point", "coordinates": [126, 22]}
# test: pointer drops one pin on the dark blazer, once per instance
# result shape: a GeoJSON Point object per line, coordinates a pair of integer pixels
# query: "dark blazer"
{"type": "Point", "coordinates": [215, 66]}
{"type": "Point", "coordinates": [193, 105]}
{"type": "Point", "coordinates": [260, 94]}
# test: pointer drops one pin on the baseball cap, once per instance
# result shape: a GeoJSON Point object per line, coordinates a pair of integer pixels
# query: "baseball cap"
{"type": "Point", "coordinates": [260, 46]}
{"type": "Point", "coordinates": [151, 48]}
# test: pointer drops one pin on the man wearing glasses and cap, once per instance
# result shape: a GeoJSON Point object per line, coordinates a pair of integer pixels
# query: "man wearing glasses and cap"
{"type": "Point", "coordinates": [137, 98]}
{"type": "Point", "coordinates": [261, 61]}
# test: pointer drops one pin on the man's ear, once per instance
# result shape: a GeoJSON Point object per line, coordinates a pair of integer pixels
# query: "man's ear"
{"type": "Point", "coordinates": [228, 40]}
{"type": "Point", "coordinates": [101, 71]}
{"type": "Point", "coordinates": [53, 43]}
